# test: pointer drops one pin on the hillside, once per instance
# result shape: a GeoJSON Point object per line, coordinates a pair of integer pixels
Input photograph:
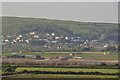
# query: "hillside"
{"type": "Point", "coordinates": [18, 25]}
{"type": "Point", "coordinates": [36, 34]}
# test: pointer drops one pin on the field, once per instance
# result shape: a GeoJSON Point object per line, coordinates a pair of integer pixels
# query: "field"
{"type": "Point", "coordinates": [67, 69]}
{"type": "Point", "coordinates": [85, 55]}
{"type": "Point", "coordinates": [89, 58]}
{"type": "Point", "coordinates": [32, 68]}
{"type": "Point", "coordinates": [63, 76]}
{"type": "Point", "coordinates": [59, 76]}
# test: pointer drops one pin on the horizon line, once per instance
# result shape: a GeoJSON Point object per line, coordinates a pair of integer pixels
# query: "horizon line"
{"type": "Point", "coordinates": [58, 19]}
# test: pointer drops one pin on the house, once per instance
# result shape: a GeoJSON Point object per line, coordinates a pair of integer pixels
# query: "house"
{"type": "Point", "coordinates": [57, 37]}
{"type": "Point", "coordinates": [65, 57]}
{"type": "Point", "coordinates": [39, 57]}
{"type": "Point", "coordinates": [53, 34]}
{"type": "Point", "coordinates": [77, 57]}
{"type": "Point", "coordinates": [20, 36]}
{"type": "Point", "coordinates": [27, 41]}
{"type": "Point", "coordinates": [72, 54]}
{"type": "Point", "coordinates": [36, 36]}
{"type": "Point", "coordinates": [106, 45]}
{"type": "Point", "coordinates": [30, 56]}
{"type": "Point", "coordinates": [66, 38]}
{"type": "Point", "coordinates": [6, 40]}
{"type": "Point", "coordinates": [54, 41]}
{"type": "Point", "coordinates": [14, 41]}
{"type": "Point", "coordinates": [32, 33]}
{"type": "Point", "coordinates": [47, 34]}
{"type": "Point", "coordinates": [34, 57]}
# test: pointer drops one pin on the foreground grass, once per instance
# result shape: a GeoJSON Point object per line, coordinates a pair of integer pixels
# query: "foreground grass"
{"type": "Point", "coordinates": [59, 76]}
{"type": "Point", "coordinates": [20, 69]}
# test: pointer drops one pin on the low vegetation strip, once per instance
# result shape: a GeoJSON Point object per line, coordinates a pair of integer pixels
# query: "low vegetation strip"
{"type": "Point", "coordinates": [61, 76]}
{"type": "Point", "coordinates": [67, 72]}
{"type": "Point", "coordinates": [73, 71]}
{"type": "Point", "coordinates": [20, 69]}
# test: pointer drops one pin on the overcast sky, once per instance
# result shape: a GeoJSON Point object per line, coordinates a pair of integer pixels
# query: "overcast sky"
{"type": "Point", "coordinates": [77, 11]}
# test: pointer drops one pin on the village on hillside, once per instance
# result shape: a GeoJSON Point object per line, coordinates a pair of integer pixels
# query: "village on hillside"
{"type": "Point", "coordinates": [34, 42]}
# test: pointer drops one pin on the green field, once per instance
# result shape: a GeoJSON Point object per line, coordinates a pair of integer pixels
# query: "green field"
{"type": "Point", "coordinates": [63, 76]}
{"type": "Point", "coordinates": [86, 55]}
{"type": "Point", "coordinates": [19, 69]}
{"type": "Point", "coordinates": [99, 56]}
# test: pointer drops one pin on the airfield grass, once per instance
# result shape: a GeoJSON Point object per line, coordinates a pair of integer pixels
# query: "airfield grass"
{"type": "Point", "coordinates": [59, 76]}
{"type": "Point", "coordinates": [85, 55]}
{"type": "Point", "coordinates": [100, 56]}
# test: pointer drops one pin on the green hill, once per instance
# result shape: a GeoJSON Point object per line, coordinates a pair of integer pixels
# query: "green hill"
{"type": "Point", "coordinates": [92, 30]}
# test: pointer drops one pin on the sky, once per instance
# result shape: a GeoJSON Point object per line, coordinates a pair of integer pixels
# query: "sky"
{"type": "Point", "coordinates": [74, 11]}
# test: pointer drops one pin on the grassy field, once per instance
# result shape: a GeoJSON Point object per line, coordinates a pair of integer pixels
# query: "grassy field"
{"type": "Point", "coordinates": [19, 69]}
{"type": "Point", "coordinates": [86, 55]}
{"type": "Point", "coordinates": [99, 56]}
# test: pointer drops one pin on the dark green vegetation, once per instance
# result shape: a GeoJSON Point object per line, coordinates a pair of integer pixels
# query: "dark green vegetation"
{"type": "Point", "coordinates": [60, 71]}
{"type": "Point", "coordinates": [17, 25]}
{"type": "Point", "coordinates": [8, 68]}
{"type": "Point", "coordinates": [26, 72]}
{"type": "Point", "coordinates": [61, 79]}
{"type": "Point", "coordinates": [68, 71]}
{"type": "Point", "coordinates": [69, 36]}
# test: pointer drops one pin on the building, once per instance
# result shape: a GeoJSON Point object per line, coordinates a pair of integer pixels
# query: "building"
{"type": "Point", "coordinates": [39, 57]}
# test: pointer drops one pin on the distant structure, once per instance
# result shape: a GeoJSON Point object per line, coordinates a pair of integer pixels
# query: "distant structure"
{"type": "Point", "coordinates": [72, 54]}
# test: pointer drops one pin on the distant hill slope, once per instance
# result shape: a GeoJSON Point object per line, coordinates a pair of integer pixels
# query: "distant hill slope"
{"type": "Point", "coordinates": [19, 25]}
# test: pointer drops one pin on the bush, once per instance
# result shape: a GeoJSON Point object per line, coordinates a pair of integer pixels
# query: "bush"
{"type": "Point", "coordinates": [8, 68]}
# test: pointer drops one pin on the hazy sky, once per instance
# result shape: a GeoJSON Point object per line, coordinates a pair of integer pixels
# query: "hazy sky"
{"type": "Point", "coordinates": [78, 11]}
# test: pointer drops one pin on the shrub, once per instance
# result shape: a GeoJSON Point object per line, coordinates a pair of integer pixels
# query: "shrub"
{"type": "Point", "coordinates": [8, 68]}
